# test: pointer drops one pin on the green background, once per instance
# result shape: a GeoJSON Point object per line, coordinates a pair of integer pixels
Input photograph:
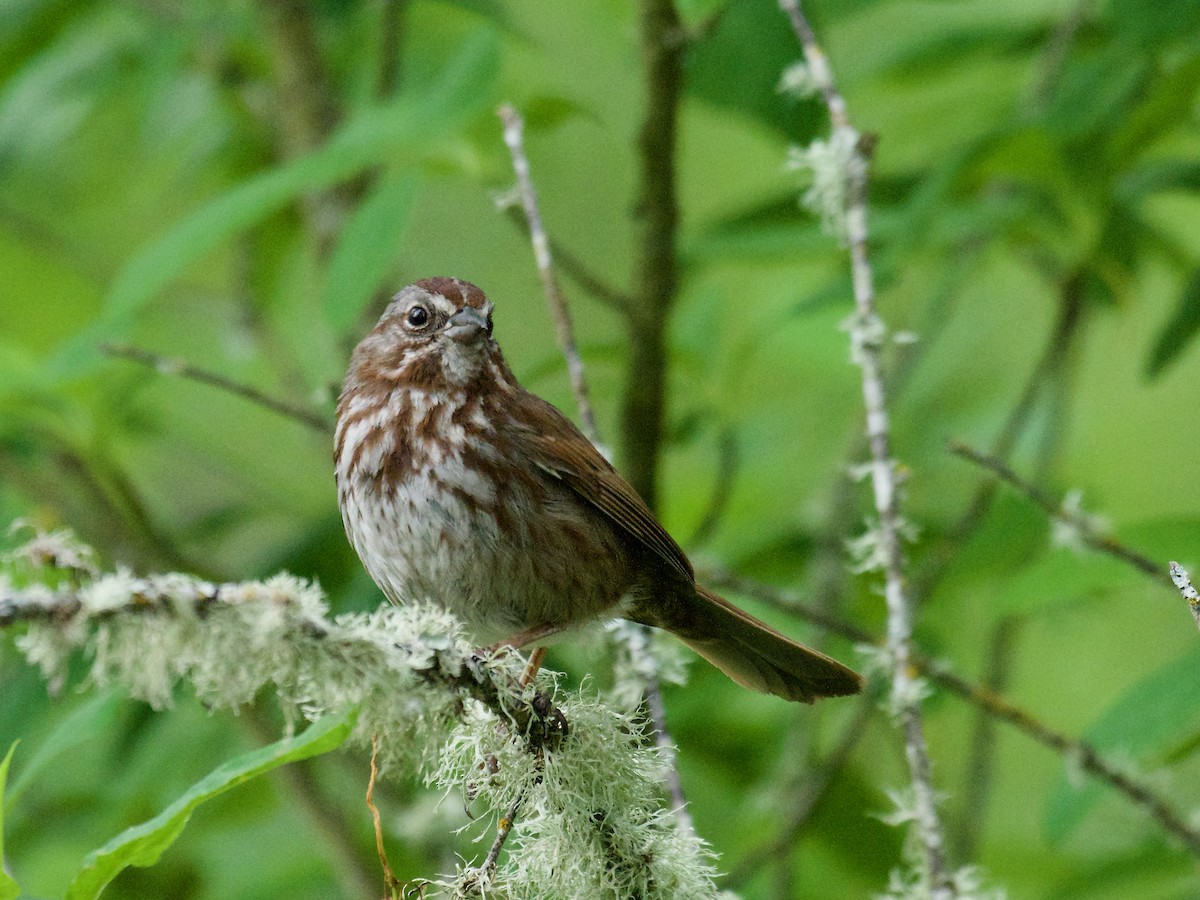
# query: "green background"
{"type": "Point", "coordinates": [1037, 162]}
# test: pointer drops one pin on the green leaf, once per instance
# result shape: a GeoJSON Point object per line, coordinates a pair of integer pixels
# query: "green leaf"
{"type": "Point", "coordinates": [1179, 330]}
{"type": "Point", "coordinates": [9, 889]}
{"type": "Point", "coordinates": [366, 249]}
{"type": "Point", "coordinates": [400, 129]}
{"type": "Point", "coordinates": [143, 844]}
{"type": "Point", "coordinates": [1145, 724]}
{"type": "Point", "coordinates": [78, 727]}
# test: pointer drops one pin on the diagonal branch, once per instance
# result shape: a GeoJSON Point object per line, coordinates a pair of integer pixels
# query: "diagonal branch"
{"type": "Point", "coordinates": [514, 131]}
{"type": "Point", "coordinates": [991, 702]}
{"type": "Point", "coordinates": [166, 365]}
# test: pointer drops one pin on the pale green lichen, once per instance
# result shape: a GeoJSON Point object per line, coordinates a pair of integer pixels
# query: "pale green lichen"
{"type": "Point", "coordinates": [592, 819]}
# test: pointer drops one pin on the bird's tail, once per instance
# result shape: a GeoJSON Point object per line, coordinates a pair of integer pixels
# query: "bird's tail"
{"type": "Point", "coordinates": [757, 656]}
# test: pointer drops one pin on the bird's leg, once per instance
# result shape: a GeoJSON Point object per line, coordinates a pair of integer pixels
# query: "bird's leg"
{"type": "Point", "coordinates": [534, 664]}
{"type": "Point", "coordinates": [524, 638]}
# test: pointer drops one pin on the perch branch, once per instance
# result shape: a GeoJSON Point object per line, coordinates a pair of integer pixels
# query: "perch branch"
{"type": "Point", "coordinates": [576, 269]}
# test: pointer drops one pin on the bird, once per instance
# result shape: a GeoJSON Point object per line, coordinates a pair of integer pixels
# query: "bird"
{"type": "Point", "coordinates": [458, 486]}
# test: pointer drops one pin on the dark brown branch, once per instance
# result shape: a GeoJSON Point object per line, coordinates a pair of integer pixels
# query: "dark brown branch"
{"type": "Point", "coordinates": [727, 465]}
{"type": "Point", "coordinates": [995, 705]}
{"type": "Point", "coordinates": [166, 365]}
{"type": "Point", "coordinates": [978, 781]}
{"type": "Point", "coordinates": [391, 35]}
{"type": "Point", "coordinates": [656, 269]}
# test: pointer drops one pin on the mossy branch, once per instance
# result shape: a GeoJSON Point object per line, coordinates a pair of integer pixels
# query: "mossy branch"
{"type": "Point", "coordinates": [594, 818]}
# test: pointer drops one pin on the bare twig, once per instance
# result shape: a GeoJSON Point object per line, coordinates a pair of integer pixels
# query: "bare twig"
{"type": "Point", "coordinates": [1058, 511]}
{"type": "Point", "coordinates": [727, 464]}
{"type": "Point", "coordinates": [1064, 338]}
{"type": "Point", "coordinates": [503, 829]}
{"type": "Point", "coordinates": [867, 337]}
{"type": "Point", "coordinates": [166, 365]}
{"type": "Point", "coordinates": [1182, 581]}
{"type": "Point", "coordinates": [1054, 55]}
{"type": "Point", "coordinates": [391, 34]}
{"type": "Point", "coordinates": [1081, 752]}
{"type": "Point", "coordinates": [652, 697]}
{"type": "Point", "coordinates": [980, 759]}
{"type": "Point", "coordinates": [514, 128]}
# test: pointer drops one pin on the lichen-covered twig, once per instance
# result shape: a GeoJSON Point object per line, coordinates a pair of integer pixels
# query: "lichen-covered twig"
{"type": "Point", "coordinates": [433, 701]}
{"type": "Point", "coordinates": [841, 188]}
{"type": "Point", "coordinates": [1183, 581]}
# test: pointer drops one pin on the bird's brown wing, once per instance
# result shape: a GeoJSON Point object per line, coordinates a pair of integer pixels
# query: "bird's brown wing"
{"type": "Point", "coordinates": [552, 442]}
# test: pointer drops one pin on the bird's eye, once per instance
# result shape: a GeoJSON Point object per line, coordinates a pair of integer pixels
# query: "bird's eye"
{"type": "Point", "coordinates": [489, 324]}
{"type": "Point", "coordinates": [418, 317]}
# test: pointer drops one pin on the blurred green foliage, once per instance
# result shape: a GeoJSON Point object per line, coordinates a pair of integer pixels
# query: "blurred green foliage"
{"type": "Point", "coordinates": [241, 183]}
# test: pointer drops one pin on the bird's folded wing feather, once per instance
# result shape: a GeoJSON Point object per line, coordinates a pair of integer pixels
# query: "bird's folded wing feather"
{"type": "Point", "coordinates": [553, 443]}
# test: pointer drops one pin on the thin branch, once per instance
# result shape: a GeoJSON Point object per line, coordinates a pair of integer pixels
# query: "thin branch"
{"type": "Point", "coordinates": [867, 337]}
{"type": "Point", "coordinates": [981, 757]}
{"type": "Point", "coordinates": [576, 269]}
{"type": "Point", "coordinates": [991, 702]}
{"type": "Point", "coordinates": [514, 128]}
{"type": "Point", "coordinates": [652, 697]}
{"type": "Point", "coordinates": [656, 269]}
{"type": "Point", "coordinates": [727, 465]}
{"type": "Point", "coordinates": [391, 35]}
{"type": "Point", "coordinates": [1080, 752]}
{"type": "Point", "coordinates": [1057, 510]}
{"type": "Point", "coordinates": [166, 365]}
{"type": "Point", "coordinates": [503, 829]}
{"type": "Point", "coordinates": [1062, 39]}
{"type": "Point", "coordinates": [1182, 581]}
{"type": "Point", "coordinates": [632, 637]}
{"type": "Point", "coordinates": [305, 105]}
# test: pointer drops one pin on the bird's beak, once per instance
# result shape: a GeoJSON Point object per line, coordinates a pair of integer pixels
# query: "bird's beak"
{"type": "Point", "coordinates": [466, 325]}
